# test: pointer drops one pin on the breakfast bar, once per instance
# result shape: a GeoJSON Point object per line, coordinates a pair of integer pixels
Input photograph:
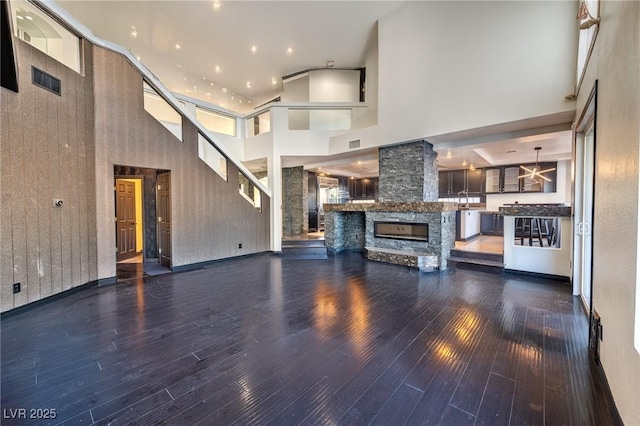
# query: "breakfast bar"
{"type": "Point", "coordinates": [537, 238]}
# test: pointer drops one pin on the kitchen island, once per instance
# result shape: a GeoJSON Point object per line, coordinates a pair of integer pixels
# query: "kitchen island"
{"type": "Point", "coordinates": [537, 238]}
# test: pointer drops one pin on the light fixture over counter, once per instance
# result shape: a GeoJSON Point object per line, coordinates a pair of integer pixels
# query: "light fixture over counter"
{"type": "Point", "coordinates": [536, 172]}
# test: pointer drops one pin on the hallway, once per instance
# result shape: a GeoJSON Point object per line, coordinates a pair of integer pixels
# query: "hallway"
{"type": "Point", "coordinates": [264, 340]}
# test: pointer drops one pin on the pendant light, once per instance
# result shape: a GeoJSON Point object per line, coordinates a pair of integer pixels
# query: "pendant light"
{"type": "Point", "coordinates": [536, 172]}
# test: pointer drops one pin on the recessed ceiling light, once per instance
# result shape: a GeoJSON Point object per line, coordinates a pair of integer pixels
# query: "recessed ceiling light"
{"type": "Point", "coordinates": [289, 50]}
{"type": "Point", "coordinates": [195, 88]}
{"type": "Point", "coordinates": [274, 81]}
{"type": "Point", "coordinates": [218, 68]}
{"type": "Point", "coordinates": [464, 163]}
{"type": "Point", "coordinates": [231, 97]}
{"type": "Point", "coordinates": [138, 57]}
{"type": "Point", "coordinates": [178, 46]}
{"type": "Point", "coordinates": [29, 17]}
{"type": "Point", "coordinates": [216, 5]}
{"type": "Point", "coordinates": [204, 78]}
{"type": "Point", "coordinates": [211, 84]}
{"type": "Point", "coordinates": [185, 79]}
{"type": "Point", "coordinates": [19, 17]}
{"type": "Point", "coordinates": [224, 90]}
{"type": "Point", "coordinates": [240, 100]}
{"type": "Point", "coordinates": [254, 49]}
{"type": "Point", "coordinates": [248, 85]}
{"type": "Point", "coordinates": [134, 32]}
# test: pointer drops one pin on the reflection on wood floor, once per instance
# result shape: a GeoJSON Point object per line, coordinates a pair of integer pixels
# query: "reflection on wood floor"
{"type": "Point", "coordinates": [482, 244]}
{"type": "Point", "coordinates": [262, 340]}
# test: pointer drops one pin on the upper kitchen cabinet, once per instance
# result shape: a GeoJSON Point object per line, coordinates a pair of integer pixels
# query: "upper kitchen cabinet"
{"type": "Point", "coordinates": [493, 181]}
{"type": "Point", "coordinates": [474, 182]}
{"type": "Point", "coordinates": [360, 189]}
{"type": "Point", "coordinates": [455, 182]}
{"type": "Point", "coordinates": [508, 179]}
{"type": "Point", "coordinates": [511, 182]}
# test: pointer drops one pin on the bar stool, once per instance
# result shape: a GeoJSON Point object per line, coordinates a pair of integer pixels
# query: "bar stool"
{"type": "Point", "coordinates": [531, 228]}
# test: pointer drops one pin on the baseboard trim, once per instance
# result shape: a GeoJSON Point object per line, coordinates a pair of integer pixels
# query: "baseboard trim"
{"type": "Point", "coordinates": [538, 275]}
{"type": "Point", "coordinates": [613, 409]}
{"type": "Point", "coordinates": [206, 263]}
{"type": "Point", "coordinates": [473, 237]}
{"type": "Point", "coordinates": [48, 299]}
{"type": "Point", "coordinates": [107, 281]}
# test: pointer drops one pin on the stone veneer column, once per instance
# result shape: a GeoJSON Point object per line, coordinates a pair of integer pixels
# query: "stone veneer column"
{"type": "Point", "coordinates": [295, 210]}
{"type": "Point", "coordinates": [408, 172]}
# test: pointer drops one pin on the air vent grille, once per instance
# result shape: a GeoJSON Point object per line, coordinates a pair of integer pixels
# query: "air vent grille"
{"type": "Point", "coordinates": [354, 144]}
{"type": "Point", "coordinates": [46, 81]}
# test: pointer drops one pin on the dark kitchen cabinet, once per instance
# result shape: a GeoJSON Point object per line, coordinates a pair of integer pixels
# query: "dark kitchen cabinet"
{"type": "Point", "coordinates": [491, 224]}
{"type": "Point", "coordinates": [454, 182]}
{"type": "Point", "coordinates": [475, 182]}
{"type": "Point", "coordinates": [363, 188]}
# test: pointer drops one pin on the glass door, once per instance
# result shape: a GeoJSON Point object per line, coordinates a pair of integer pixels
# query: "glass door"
{"type": "Point", "coordinates": [583, 204]}
{"type": "Point", "coordinates": [584, 229]}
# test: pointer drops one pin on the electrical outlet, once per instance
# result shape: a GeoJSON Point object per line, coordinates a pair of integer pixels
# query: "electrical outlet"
{"type": "Point", "coordinates": [16, 288]}
{"type": "Point", "coordinates": [239, 245]}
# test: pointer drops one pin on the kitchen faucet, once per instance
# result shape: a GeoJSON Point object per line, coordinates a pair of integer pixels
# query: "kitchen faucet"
{"type": "Point", "coordinates": [466, 193]}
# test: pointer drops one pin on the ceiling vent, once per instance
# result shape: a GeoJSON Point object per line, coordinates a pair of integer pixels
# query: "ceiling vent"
{"type": "Point", "coordinates": [354, 144]}
{"type": "Point", "coordinates": [46, 81]}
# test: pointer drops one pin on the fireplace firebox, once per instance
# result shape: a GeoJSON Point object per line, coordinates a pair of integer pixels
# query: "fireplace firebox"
{"type": "Point", "coordinates": [402, 231]}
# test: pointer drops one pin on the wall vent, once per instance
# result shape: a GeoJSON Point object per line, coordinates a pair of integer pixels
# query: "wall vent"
{"type": "Point", "coordinates": [46, 81]}
{"type": "Point", "coordinates": [354, 144]}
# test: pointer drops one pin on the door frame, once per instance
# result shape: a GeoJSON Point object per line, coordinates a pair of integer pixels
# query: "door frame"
{"type": "Point", "coordinates": [142, 206]}
{"type": "Point", "coordinates": [587, 120]}
{"type": "Point", "coordinates": [158, 230]}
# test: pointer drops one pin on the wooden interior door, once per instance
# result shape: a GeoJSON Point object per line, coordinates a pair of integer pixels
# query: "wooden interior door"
{"type": "Point", "coordinates": [125, 219]}
{"type": "Point", "coordinates": [164, 218]}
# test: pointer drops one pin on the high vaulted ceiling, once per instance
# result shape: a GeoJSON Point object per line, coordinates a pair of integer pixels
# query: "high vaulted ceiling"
{"type": "Point", "coordinates": [216, 60]}
{"type": "Point", "coordinates": [216, 64]}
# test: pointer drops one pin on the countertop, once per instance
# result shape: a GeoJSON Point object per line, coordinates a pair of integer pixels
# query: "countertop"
{"type": "Point", "coordinates": [532, 210]}
{"type": "Point", "coordinates": [393, 206]}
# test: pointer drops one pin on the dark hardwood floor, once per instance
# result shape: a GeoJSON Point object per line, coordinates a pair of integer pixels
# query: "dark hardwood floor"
{"type": "Point", "coordinates": [262, 340]}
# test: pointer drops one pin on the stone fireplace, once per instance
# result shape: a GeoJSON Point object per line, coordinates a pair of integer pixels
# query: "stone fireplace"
{"type": "Point", "coordinates": [408, 226]}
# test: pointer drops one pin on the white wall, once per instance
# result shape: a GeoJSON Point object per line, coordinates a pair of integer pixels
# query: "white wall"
{"type": "Point", "coordinates": [562, 194]}
{"type": "Point", "coordinates": [615, 63]}
{"type": "Point", "coordinates": [296, 89]}
{"type": "Point", "coordinates": [449, 66]}
{"type": "Point", "coordinates": [334, 86]}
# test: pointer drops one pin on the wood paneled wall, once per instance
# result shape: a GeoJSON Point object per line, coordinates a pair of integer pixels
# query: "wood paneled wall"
{"type": "Point", "coordinates": [47, 152]}
{"type": "Point", "coordinates": [209, 217]}
{"type": "Point", "coordinates": [66, 147]}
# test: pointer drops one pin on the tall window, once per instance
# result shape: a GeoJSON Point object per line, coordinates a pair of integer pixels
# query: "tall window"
{"type": "Point", "coordinates": [45, 34]}
{"type": "Point", "coordinates": [587, 37]}
{"type": "Point", "coordinates": [162, 111]}
{"type": "Point", "coordinates": [216, 122]}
